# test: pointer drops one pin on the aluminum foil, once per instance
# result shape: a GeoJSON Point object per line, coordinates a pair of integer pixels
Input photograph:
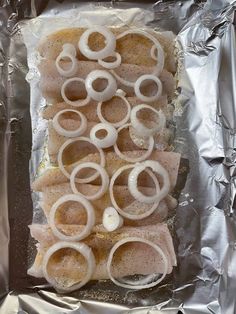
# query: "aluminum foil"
{"type": "Point", "coordinates": [205, 224]}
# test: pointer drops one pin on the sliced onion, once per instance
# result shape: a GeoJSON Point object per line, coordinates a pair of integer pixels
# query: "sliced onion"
{"type": "Point", "coordinates": [90, 217]}
{"type": "Point", "coordinates": [75, 103]}
{"type": "Point", "coordinates": [110, 42]}
{"type": "Point", "coordinates": [71, 141]}
{"type": "Point", "coordinates": [111, 219]}
{"type": "Point", "coordinates": [137, 159]}
{"type": "Point", "coordinates": [121, 94]}
{"type": "Point", "coordinates": [84, 250]}
{"type": "Point", "coordinates": [100, 170]}
{"type": "Point", "coordinates": [110, 138]}
{"type": "Point", "coordinates": [60, 130]}
{"type": "Point", "coordinates": [138, 84]}
{"type": "Point", "coordinates": [113, 64]}
{"type": "Point", "coordinates": [139, 286]}
{"type": "Point", "coordinates": [121, 211]}
{"type": "Point", "coordinates": [160, 59]}
{"type": "Point", "coordinates": [140, 128]}
{"type": "Point", "coordinates": [68, 51]}
{"type": "Point", "coordinates": [133, 181]}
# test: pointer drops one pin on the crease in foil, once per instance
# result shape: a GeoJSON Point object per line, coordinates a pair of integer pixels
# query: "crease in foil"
{"type": "Point", "coordinates": [204, 226]}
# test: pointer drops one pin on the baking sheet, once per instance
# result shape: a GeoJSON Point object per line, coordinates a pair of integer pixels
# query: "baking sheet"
{"type": "Point", "coordinates": [204, 281]}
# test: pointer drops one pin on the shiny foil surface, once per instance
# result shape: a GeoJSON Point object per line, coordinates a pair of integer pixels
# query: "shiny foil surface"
{"type": "Point", "coordinates": [204, 226]}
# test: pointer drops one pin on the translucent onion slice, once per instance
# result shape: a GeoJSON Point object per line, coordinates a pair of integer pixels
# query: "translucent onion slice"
{"type": "Point", "coordinates": [67, 133]}
{"type": "Point", "coordinates": [133, 181]}
{"type": "Point", "coordinates": [113, 64]}
{"type": "Point", "coordinates": [160, 58]}
{"type": "Point", "coordinates": [111, 220]}
{"type": "Point", "coordinates": [90, 217]}
{"type": "Point", "coordinates": [120, 210]}
{"type": "Point", "coordinates": [107, 51]}
{"type": "Point", "coordinates": [60, 158]}
{"type": "Point", "coordinates": [139, 284]}
{"type": "Point", "coordinates": [110, 138]}
{"type": "Point", "coordinates": [137, 159]}
{"type": "Point", "coordinates": [109, 90]}
{"type": "Point", "coordinates": [100, 170]}
{"type": "Point", "coordinates": [78, 102]}
{"type": "Point", "coordinates": [68, 51]}
{"type": "Point", "coordinates": [140, 128]}
{"type": "Point", "coordinates": [137, 88]}
{"type": "Point", "coordinates": [84, 250]}
{"type": "Point", "coordinates": [121, 94]}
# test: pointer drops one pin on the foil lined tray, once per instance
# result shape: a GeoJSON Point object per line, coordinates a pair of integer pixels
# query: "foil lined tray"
{"type": "Point", "coordinates": [204, 224]}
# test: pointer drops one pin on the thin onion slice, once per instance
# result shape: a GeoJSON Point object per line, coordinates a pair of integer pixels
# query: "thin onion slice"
{"type": "Point", "coordinates": [139, 286]}
{"type": "Point", "coordinates": [90, 217]}
{"type": "Point", "coordinates": [137, 159]}
{"type": "Point", "coordinates": [121, 211]}
{"type": "Point", "coordinates": [71, 141]}
{"type": "Point", "coordinates": [110, 138]}
{"type": "Point", "coordinates": [110, 42]}
{"type": "Point", "coordinates": [133, 181]}
{"type": "Point", "coordinates": [100, 170]}
{"type": "Point", "coordinates": [111, 220]}
{"type": "Point", "coordinates": [160, 59]}
{"type": "Point", "coordinates": [113, 64]}
{"type": "Point", "coordinates": [67, 133]}
{"type": "Point", "coordinates": [137, 88]}
{"type": "Point", "coordinates": [109, 90]}
{"type": "Point", "coordinates": [83, 249]}
{"type": "Point", "coordinates": [121, 94]}
{"type": "Point", "coordinates": [68, 51]}
{"type": "Point", "coordinates": [78, 102]}
{"type": "Point", "coordinates": [140, 128]}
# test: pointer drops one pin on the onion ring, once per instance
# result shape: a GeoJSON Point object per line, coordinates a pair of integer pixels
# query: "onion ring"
{"type": "Point", "coordinates": [71, 141]}
{"type": "Point", "coordinates": [68, 51]}
{"type": "Point", "coordinates": [100, 170]}
{"type": "Point", "coordinates": [140, 128]}
{"type": "Point", "coordinates": [108, 92]}
{"type": "Point", "coordinates": [121, 94]}
{"type": "Point", "coordinates": [111, 220]}
{"type": "Point", "coordinates": [78, 102]}
{"type": "Point", "coordinates": [137, 159]}
{"type": "Point", "coordinates": [121, 211]}
{"type": "Point", "coordinates": [110, 41]}
{"type": "Point", "coordinates": [139, 286]}
{"type": "Point", "coordinates": [60, 130]}
{"type": "Point", "coordinates": [138, 83]}
{"type": "Point", "coordinates": [83, 249]}
{"type": "Point", "coordinates": [90, 217]}
{"type": "Point", "coordinates": [133, 179]}
{"type": "Point", "coordinates": [161, 56]}
{"type": "Point", "coordinates": [110, 138]}
{"type": "Point", "coordinates": [113, 64]}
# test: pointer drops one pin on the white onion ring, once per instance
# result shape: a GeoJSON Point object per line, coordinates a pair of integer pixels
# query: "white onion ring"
{"type": "Point", "coordinates": [109, 140]}
{"type": "Point", "coordinates": [138, 84]}
{"type": "Point", "coordinates": [68, 51]}
{"type": "Point", "coordinates": [121, 94]}
{"type": "Point", "coordinates": [139, 286]}
{"type": "Point", "coordinates": [90, 217]}
{"type": "Point", "coordinates": [133, 179]}
{"type": "Point", "coordinates": [113, 64]}
{"type": "Point", "coordinates": [121, 211]}
{"type": "Point", "coordinates": [83, 249]}
{"type": "Point", "coordinates": [110, 41]}
{"type": "Point", "coordinates": [60, 130]}
{"type": "Point", "coordinates": [137, 159]}
{"type": "Point", "coordinates": [111, 220]}
{"type": "Point", "coordinates": [108, 92]}
{"type": "Point", "coordinates": [78, 102]}
{"type": "Point", "coordinates": [140, 128]}
{"type": "Point", "coordinates": [69, 142]}
{"type": "Point", "coordinates": [100, 170]}
{"type": "Point", "coordinates": [161, 56]}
